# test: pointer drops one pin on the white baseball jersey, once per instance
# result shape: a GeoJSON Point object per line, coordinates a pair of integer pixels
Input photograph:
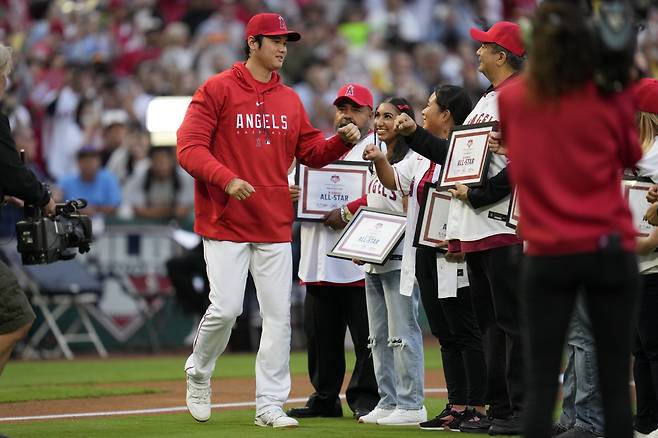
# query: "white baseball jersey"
{"type": "Point", "coordinates": [390, 200]}
{"type": "Point", "coordinates": [317, 240]}
{"type": "Point", "coordinates": [464, 222]}
{"type": "Point", "coordinates": [408, 174]}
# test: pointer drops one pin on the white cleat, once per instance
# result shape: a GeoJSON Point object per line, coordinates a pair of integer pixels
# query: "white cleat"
{"type": "Point", "coordinates": [275, 418]}
{"type": "Point", "coordinates": [404, 417]}
{"type": "Point", "coordinates": [198, 399]}
{"type": "Point", "coordinates": [375, 414]}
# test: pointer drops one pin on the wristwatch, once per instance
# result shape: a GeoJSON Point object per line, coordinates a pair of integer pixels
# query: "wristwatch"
{"type": "Point", "coordinates": [345, 214]}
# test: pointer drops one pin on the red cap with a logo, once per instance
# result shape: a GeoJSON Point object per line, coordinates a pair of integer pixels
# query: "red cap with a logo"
{"type": "Point", "coordinates": [646, 95]}
{"type": "Point", "coordinates": [504, 33]}
{"type": "Point", "coordinates": [269, 25]}
{"type": "Point", "coordinates": [356, 93]}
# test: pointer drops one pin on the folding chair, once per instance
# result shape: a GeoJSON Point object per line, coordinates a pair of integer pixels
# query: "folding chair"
{"type": "Point", "coordinates": [57, 288]}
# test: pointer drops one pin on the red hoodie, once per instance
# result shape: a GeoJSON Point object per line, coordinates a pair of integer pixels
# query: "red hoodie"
{"type": "Point", "coordinates": [238, 127]}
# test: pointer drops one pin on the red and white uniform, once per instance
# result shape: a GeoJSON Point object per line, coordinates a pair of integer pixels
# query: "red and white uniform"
{"type": "Point", "coordinates": [483, 228]}
{"type": "Point", "coordinates": [236, 126]}
{"type": "Point", "coordinates": [390, 200]}
{"type": "Point", "coordinates": [411, 177]}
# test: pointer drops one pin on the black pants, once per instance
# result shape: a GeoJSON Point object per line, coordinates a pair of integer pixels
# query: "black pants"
{"type": "Point", "coordinates": [493, 275]}
{"type": "Point", "coordinates": [550, 284]}
{"type": "Point", "coordinates": [182, 270]}
{"type": "Point", "coordinates": [328, 311]}
{"type": "Point", "coordinates": [645, 350]}
{"type": "Point", "coordinates": [452, 321]}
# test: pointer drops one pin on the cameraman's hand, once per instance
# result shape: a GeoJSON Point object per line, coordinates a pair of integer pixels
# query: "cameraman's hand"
{"type": "Point", "coordinates": [239, 189]}
{"type": "Point", "coordinates": [49, 208]}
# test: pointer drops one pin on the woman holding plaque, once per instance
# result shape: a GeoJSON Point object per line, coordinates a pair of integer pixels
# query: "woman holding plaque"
{"type": "Point", "coordinates": [569, 142]}
{"type": "Point", "coordinates": [645, 351]}
{"type": "Point", "coordinates": [447, 302]}
{"type": "Point", "coordinates": [396, 340]}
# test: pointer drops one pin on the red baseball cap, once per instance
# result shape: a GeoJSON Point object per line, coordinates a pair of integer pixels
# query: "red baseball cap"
{"type": "Point", "coordinates": [503, 33]}
{"type": "Point", "coordinates": [269, 25]}
{"type": "Point", "coordinates": [356, 93]}
{"type": "Point", "coordinates": [646, 95]}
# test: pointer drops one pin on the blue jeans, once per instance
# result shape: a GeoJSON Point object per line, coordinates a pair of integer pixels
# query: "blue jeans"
{"type": "Point", "coordinates": [396, 342]}
{"type": "Point", "coordinates": [582, 405]}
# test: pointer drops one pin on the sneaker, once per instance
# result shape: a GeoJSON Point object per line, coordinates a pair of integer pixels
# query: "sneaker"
{"type": "Point", "coordinates": [511, 425]}
{"type": "Point", "coordinates": [197, 399]}
{"type": "Point", "coordinates": [638, 434]}
{"type": "Point", "coordinates": [448, 419]}
{"type": "Point", "coordinates": [404, 417]}
{"type": "Point", "coordinates": [475, 422]}
{"type": "Point", "coordinates": [557, 429]}
{"type": "Point", "coordinates": [275, 418]}
{"type": "Point", "coordinates": [375, 415]}
{"type": "Point", "coordinates": [578, 432]}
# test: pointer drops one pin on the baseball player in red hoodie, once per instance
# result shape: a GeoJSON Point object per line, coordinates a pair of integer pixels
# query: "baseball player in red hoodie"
{"type": "Point", "coordinates": [240, 135]}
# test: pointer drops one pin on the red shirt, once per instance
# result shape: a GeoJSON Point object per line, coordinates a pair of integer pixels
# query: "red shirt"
{"type": "Point", "coordinates": [237, 127]}
{"type": "Point", "coordinates": [566, 160]}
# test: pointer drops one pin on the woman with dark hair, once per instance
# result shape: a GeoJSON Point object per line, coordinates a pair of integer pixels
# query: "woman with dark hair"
{"type": "Point", "coordinates": [396, 340]}
{"type": "Point", "coordinates": [449, 309]}
{"type": "Point", "coordinates": [568, 145]}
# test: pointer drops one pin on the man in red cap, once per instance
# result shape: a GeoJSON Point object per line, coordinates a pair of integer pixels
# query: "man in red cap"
{"type": "Point", "coordinates": [240, 135]}
{"type": "Point", "coordinates": [335, 292]}
{"type": "Point", "coordinates": [477, 228]}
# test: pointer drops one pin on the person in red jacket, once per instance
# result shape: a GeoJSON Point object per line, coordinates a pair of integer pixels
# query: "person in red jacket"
{"type": "Point", "coordinates": [239, 136]}
{"type": "Point", "coordinates": [568, 145]}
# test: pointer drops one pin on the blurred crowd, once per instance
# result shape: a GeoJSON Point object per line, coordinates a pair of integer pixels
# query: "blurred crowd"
{"type": "Point", "coordinates": [85, 71]}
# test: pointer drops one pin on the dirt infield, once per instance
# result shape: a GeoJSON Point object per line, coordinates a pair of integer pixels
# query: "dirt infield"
{"type": "Point", "coordinates": [172, 395]}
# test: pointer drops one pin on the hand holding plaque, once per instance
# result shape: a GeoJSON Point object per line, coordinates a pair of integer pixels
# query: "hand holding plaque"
{"type": "Point", "coordinates": [328, 188]}
{"type": "Point", "coordinates": [371, 236]}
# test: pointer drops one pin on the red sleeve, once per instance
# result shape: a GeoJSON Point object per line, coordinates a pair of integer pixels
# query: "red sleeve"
{"type": "Point", "coordinates": [354, 205]}
{"type": "Point", "coordinates": [195, 136]}
{"type": "Point", "coordinates": [313, 150]}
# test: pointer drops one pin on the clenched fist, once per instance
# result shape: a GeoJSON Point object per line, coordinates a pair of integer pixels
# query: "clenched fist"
{"type": "Point", "coordinates": [373, 153]}
{"type": "Point", "coordinates": [404, 125]}
{"type": "Point", "coordinates": [239, 189]}
{"type": "Point", "coordinates": [349, 133]}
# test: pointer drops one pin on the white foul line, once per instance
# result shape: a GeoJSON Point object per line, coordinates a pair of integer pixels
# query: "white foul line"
{"type": "Point", "coordinates": [163, 410]}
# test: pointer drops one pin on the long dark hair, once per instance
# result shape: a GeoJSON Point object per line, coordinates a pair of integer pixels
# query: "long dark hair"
{"type": "Point", "coordinates": [562, 49]}
{"type": "Point", "coordinates": [454, 99]}
{"type": "Point", "coordinates": [401, 146]}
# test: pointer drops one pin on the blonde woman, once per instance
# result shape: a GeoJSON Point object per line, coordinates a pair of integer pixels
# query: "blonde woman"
{"type": "Point", "coordinates": [645, 350]}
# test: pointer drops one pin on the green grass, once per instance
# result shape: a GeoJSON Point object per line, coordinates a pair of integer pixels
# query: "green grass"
{"type": "Point", "coordinates": [223, 424]}
{"type": "Point", "coordinates": [61, 392]}
{"type": "Point", "coordinates": [76, 379]}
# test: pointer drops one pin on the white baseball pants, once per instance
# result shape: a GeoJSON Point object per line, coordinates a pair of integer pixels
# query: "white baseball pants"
{"type": "Point", "coordinates": [270, 265]}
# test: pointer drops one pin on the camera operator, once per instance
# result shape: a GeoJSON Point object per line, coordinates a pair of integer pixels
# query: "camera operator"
{"type": "Point", "coordinates": [568, 144]}
{"type": "Point", "coordinates": [17, 185]}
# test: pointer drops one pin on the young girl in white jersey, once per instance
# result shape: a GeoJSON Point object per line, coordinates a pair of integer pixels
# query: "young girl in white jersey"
{"type": "Point", "coordinates": [448, 308]}
{"type": "Point", "coordinates": [395, 337]}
